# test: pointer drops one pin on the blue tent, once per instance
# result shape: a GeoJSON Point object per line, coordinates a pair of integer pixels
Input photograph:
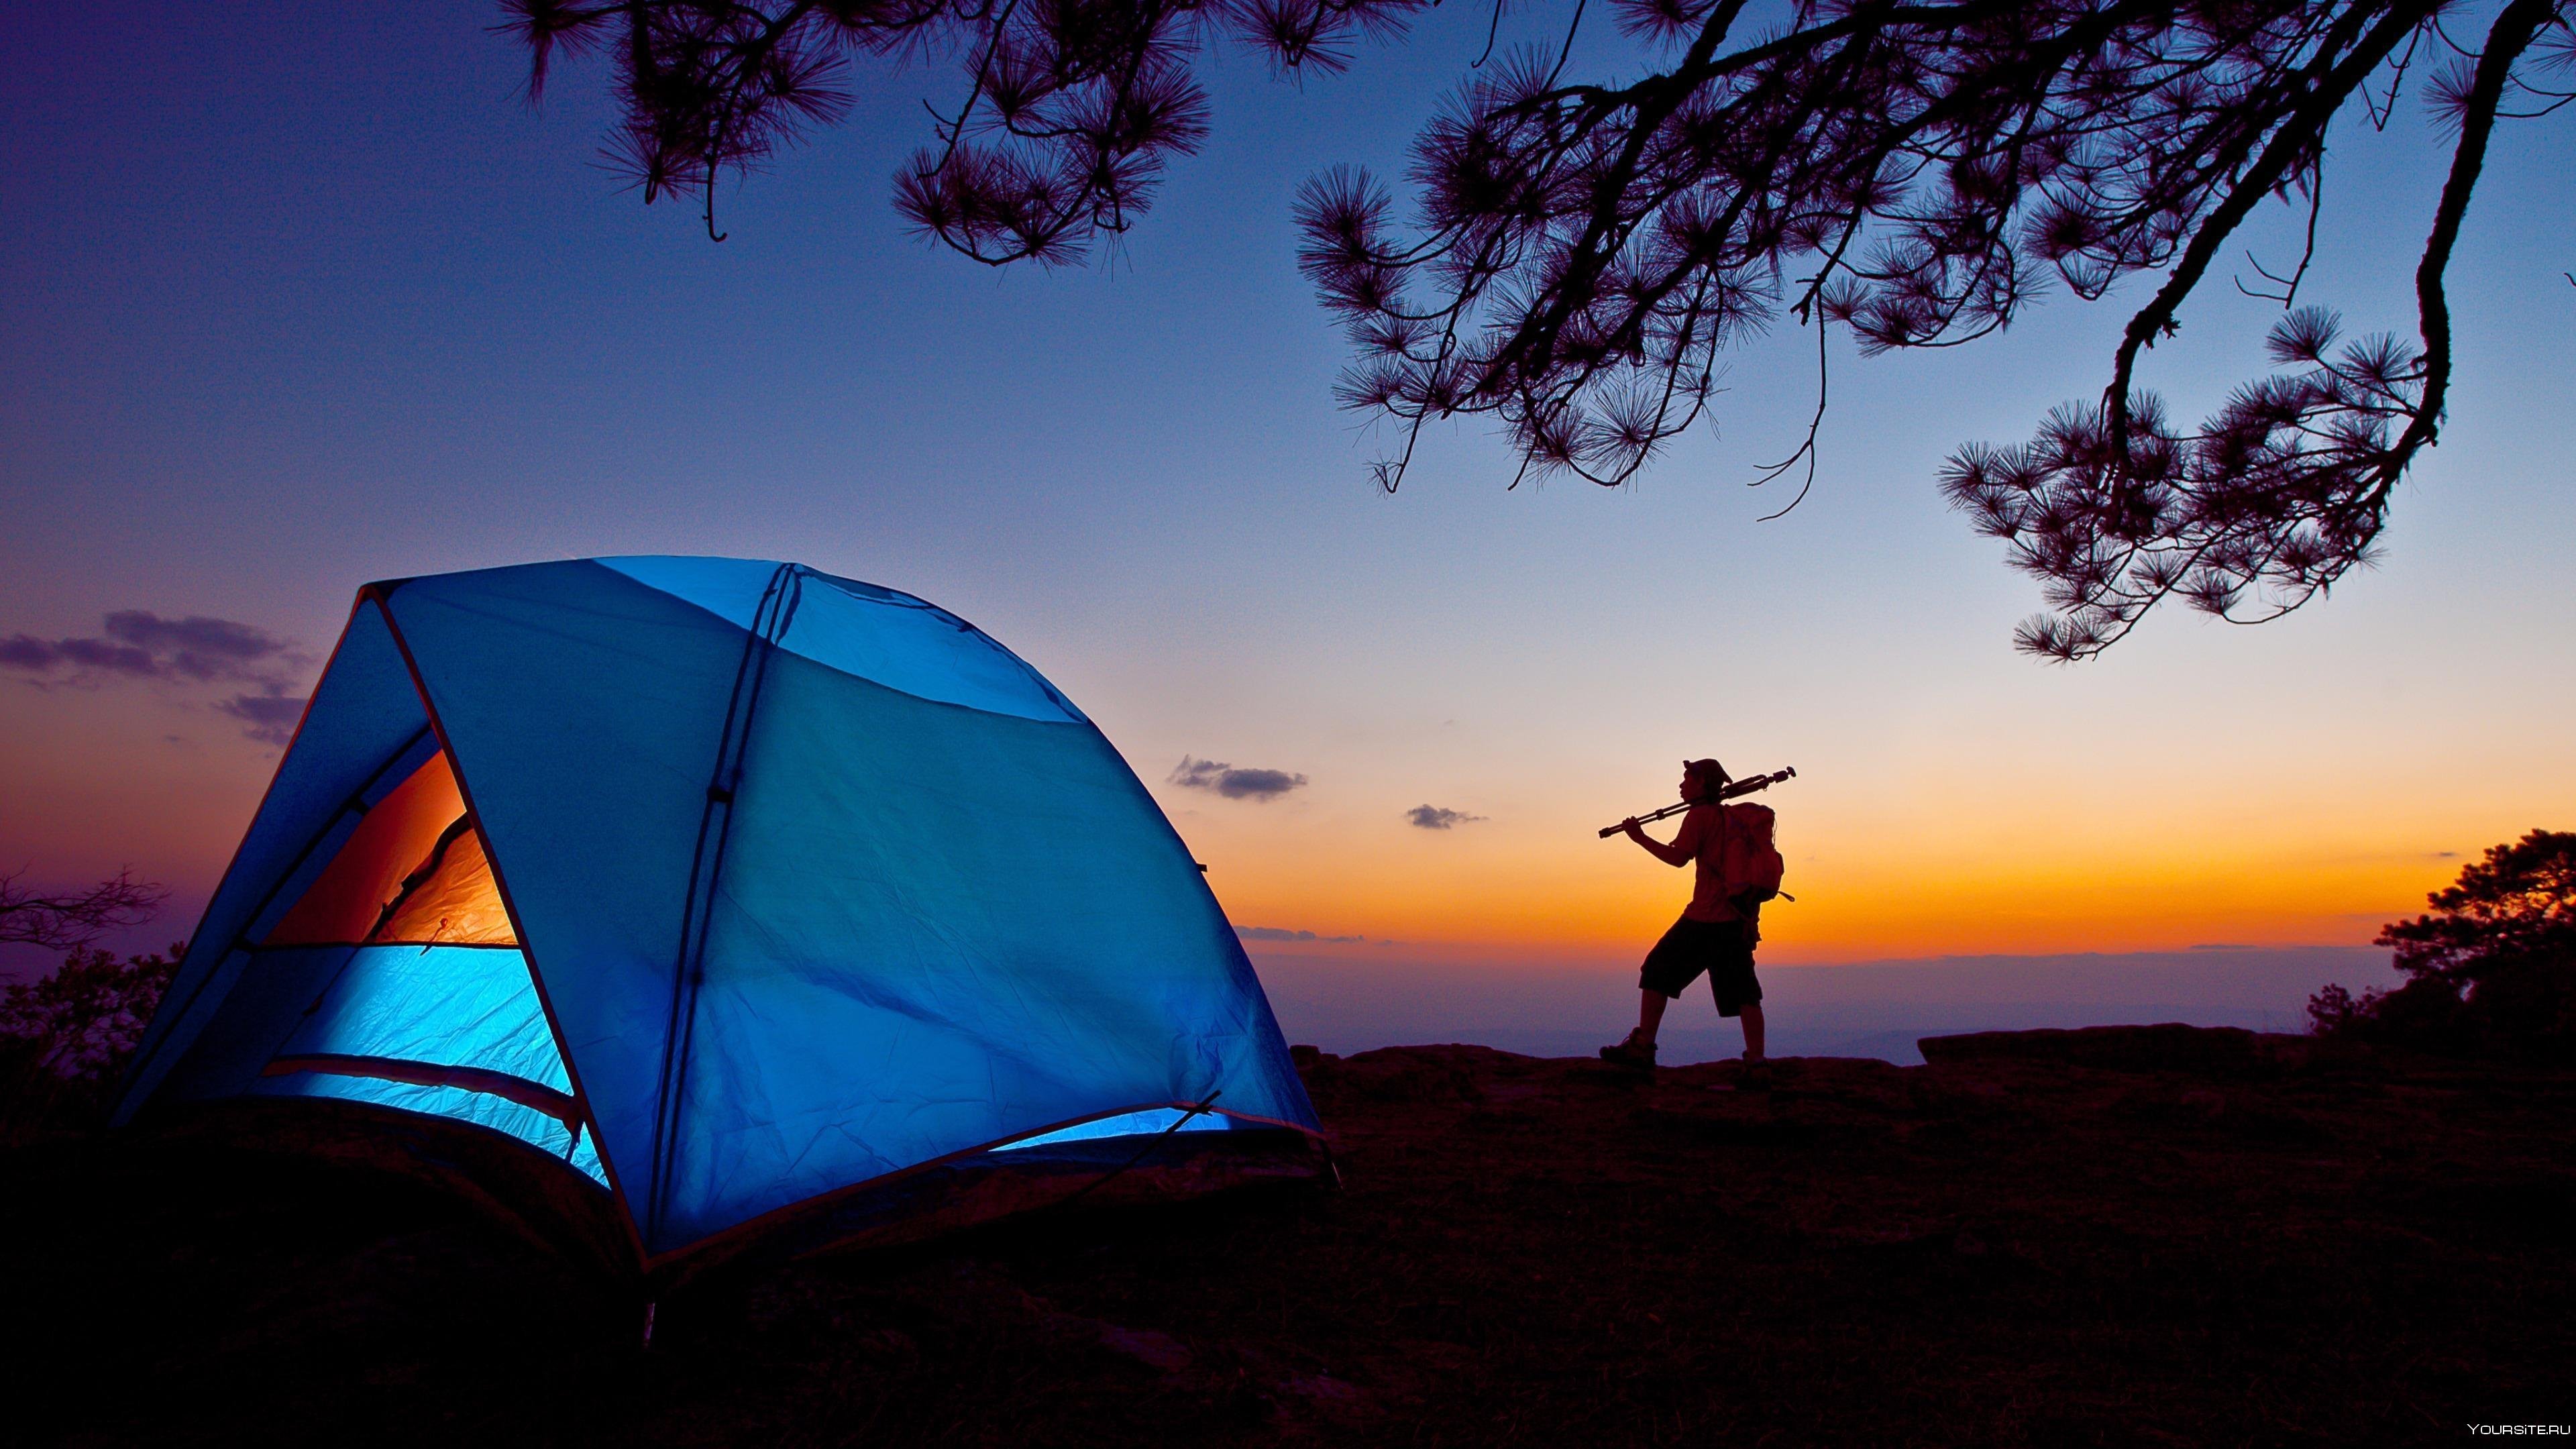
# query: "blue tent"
{"type": "Point", "coordinates": [737, 887]}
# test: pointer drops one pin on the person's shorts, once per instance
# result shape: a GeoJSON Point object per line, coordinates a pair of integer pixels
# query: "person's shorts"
{"type": "Point", "coordinates": [1723, 949]}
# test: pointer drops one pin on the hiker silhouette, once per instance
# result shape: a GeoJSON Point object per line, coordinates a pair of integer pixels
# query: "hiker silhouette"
{"type": "Point", "coordinates": [1738, 868]}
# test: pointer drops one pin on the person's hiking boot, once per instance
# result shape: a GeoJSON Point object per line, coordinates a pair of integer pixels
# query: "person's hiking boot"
{"type": "Point", "coordinates": [1755, 1076]}
{"type": "Point", "coordinates": [1631, 1051]}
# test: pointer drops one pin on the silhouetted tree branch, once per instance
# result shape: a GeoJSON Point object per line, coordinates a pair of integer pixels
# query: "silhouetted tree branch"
{"type": "Point", "coordinates": [1070, 108]}
{"type": "Point", "coordinates": [2520, 900]}
{"type": "Point", "coordinates": [63, 922]}
{"type": "Point", "coordinates": [1580, 254]}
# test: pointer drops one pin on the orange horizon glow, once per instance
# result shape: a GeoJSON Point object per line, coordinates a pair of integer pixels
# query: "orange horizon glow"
{"type": "Point", "coordinates": [1893, 866]}
{"type": "Point", "coordinates": [1876, 889]}
{"type": "Point", "coordinates": [1876, 912]}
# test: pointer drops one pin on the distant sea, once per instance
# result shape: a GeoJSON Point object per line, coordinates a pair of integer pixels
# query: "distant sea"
{"type": "Point", "coordinates": [1349, 1003]}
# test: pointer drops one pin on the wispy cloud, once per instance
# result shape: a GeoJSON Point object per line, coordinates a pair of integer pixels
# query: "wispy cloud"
{"type": "Point", "coordinates": [1276, 933]}
{"type": "Point", "coordinates": [197, 646]}
{"type": "Point", "coordinates": [139, 644]}
{"type": "Point", "coordinates": [76, 657]}
{"type": "Point", "coordinates": [270, 717]}
{"type": "Point", "coordinates": [1233, 783]}
{"type": "Point", "coordinates": [1438, 817]}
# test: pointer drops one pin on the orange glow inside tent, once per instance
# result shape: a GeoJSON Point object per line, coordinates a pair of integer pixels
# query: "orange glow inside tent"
{"type": "Point", "coordinates": [412, 873]}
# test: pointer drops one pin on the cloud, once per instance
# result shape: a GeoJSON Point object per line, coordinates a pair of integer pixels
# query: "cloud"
{"type": "Point", "coordinates": [197, 647]}
{"type": "Point", "coordinates": [1438, 817]}
{"type": "Point", "coordinates": [139, 644]}
{"type": "Point", "coordinates": [80, 656]}
{"type": "Point", "coordinates": [1233, 784]}
{"type": "Point", "coordinates": [1275, 933]}
{"type": "Point", "coordinates": [271, 717]}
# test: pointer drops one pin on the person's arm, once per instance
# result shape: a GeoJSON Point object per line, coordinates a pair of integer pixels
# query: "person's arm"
{"type": "Point", "coordinates": [1685, 846]}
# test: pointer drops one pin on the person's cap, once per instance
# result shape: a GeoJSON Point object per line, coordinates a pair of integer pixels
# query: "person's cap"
{"type": "Point", "coordinates": [1707, 767]}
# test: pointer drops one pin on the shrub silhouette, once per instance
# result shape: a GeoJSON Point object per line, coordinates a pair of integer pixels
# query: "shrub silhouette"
{"type": "Point", "coordinates": [65, 1037]}
{"type": "Point", "coordinates": [2491, 968]}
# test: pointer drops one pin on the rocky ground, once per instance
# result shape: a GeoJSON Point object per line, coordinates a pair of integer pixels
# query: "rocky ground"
{"type": "Point", "coordinates": [2115, 1237]}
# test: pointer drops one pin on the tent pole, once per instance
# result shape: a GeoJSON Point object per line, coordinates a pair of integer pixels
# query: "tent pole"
{"type": "Point", "coordinates": [769, 625]}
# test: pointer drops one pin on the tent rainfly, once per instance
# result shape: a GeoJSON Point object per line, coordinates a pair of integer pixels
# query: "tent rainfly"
{"type": "Point", "coordinates": [749, 894]}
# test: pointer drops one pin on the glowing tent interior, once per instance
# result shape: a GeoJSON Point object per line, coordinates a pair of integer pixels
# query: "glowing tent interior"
{"type": "Point", "coordinates": [750, 894]}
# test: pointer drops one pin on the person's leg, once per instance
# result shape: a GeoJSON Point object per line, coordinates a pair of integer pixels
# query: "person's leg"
{"type": "Point", "coordinates": [1668, 968]}
{"type": "Point", "coordinates": [1650, 1014]}
{"type": "Point", "coordinates": [1638, 1049]}
{"type": "Point", "coordinates": [1739, 992]}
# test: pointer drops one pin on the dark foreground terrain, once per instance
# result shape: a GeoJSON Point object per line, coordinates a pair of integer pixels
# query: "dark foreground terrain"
{"type": "Point", "coordinates": [2112, 1238]}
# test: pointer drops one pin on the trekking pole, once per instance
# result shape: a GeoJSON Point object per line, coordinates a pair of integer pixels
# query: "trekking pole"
{"type": "Point", "coordinates": [1729, 792]}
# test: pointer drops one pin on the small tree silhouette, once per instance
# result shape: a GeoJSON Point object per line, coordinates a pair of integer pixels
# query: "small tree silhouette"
{"type": "Point", "coordinates": [2493, 963]}
{"type": "Point", "coordinates": [69, 1033]}
{"type": "Point", "coordinates": [1582, 253]}
{"type": "Point", "coordinates": [65, 1035]}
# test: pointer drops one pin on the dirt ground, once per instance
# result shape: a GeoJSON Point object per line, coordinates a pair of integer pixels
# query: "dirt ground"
{"type": "Point", "coordinates": [2114, 1239]}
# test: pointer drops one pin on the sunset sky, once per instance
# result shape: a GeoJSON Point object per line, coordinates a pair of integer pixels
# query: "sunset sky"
{"type": "Point", "coordinates": [299, 297]}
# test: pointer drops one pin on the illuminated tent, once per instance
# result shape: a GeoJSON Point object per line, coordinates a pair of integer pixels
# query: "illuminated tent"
{"type": "Point", "coordinates": [742, 890]}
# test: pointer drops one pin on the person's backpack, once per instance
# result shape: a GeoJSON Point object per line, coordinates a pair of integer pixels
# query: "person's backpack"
{"type": "Point", "coordinates": [1751, 866]}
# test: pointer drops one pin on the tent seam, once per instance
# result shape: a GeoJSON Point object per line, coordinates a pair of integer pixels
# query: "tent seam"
{"type": "Point", "coordinates": [833, 582]}
{"type": "Point", "coordinates": [518, 927]}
